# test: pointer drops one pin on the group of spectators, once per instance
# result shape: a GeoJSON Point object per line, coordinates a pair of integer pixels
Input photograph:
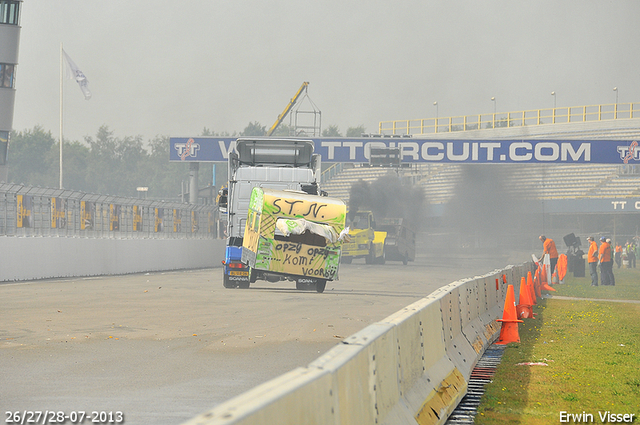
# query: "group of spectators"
{"type": "Point", "coordinates": [600, 256]}
{"type": "Point", "coordinates": [597, 256]}
{"type": "Point", "coordinates": [630, 250]}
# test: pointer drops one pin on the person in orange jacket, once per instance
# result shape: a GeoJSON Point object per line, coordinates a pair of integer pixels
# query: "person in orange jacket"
{"type": "Point", "coordinates": [606, 263]}
{"type": "Point", "coordinates": [592, 259]}
{"type": "Point", "coordinates": [618, 255]}
{"type": "Point", "coordinates": [549, 247]}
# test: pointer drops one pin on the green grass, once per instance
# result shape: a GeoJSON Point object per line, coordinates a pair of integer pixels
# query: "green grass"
{"type": "Point", "coordinates": [592, 349]}
{"type": "Point", "coordinates": [627, 286]}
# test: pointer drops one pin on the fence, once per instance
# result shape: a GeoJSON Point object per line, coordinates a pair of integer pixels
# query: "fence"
{"type": "Point", "coordinates": [616, 111]}
{"type": "Point", "coordinates": [35, 211]}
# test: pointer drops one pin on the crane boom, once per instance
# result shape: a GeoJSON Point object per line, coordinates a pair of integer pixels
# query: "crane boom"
{"type": "Point", "coordinates": [284, 113]}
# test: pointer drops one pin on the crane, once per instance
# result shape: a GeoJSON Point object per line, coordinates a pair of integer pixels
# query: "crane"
{"type": "Point", "coordinates": [281, 117]}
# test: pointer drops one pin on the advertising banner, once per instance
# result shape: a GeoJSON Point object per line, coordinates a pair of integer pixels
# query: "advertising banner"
{"type": "Point", "coordinates": [177, 220]}
{"type": "Point", "coordinates": [158, 225]}
{"type": "Point", "coordinates": [194, 222]}
{"type": "Point", "coordinates": [87, 214]}
{"type": "Point", "coordinates": [414, 150]}
{"type": "Point", "coordinates": [114, 217]}
{"type": "Point", "coordinates": [58, 213]}
{"type": "Point", "coordinates": [137, 218]}
{"type": "Point", "coordinates": [24, 208]}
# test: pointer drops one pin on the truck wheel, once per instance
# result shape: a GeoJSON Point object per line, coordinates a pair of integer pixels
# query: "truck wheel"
{"type": "Point", "coordinates": [321, 285]}
{"type": "Point", "coordinates": [382, 259]}
{"type": "Point", "coordinates": [226, 282]}
{"type": "Point", "coordinates": [244, 285]}
{"type": "Point", "coordinates": [369, 259]}
{"type": "Point", "coordinates": [405, 259]}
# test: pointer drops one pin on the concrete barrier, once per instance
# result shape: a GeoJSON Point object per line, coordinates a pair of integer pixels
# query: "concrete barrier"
{"type": "Point", "coordinates": [410, 368]}
{"type": "Point", "coordinates": [28, 258]}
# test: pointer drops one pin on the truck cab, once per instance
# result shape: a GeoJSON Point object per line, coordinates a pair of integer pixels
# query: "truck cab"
{"type": "Point", "coordinates": [365, 241]}
{"type": "Point", "coordinates": [282, 164]}
{"type": "Point", "coordinates": [400, 243]}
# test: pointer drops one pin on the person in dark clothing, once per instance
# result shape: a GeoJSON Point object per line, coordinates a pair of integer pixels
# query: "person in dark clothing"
{"type": "Point", "coordinates": [631, 254]}
{"type": "Point", "coordinates": [618, 255]}
{"type": "Point", "coordinates": [606, 263]}
{"type": "Point", "coordinates": [592, 259]}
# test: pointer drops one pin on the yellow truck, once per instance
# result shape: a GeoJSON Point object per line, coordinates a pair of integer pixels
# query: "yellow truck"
{"type": "Point", "coordinates": [292, 235]}
{"type": "Point", "coordinates": [365, 241]}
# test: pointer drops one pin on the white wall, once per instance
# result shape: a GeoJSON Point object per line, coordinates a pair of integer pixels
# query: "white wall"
{"type": "Point", "coordinates": [27, 258]}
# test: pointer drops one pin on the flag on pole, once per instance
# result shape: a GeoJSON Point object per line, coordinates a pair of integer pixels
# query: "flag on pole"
{"type": "Point", "coordinates": [73, 72]}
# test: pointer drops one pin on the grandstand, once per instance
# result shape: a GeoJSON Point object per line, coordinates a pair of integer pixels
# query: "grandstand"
{"type": "Point", "coordinates": [535, 181]}
{"type": "Point", "coordinates": [557, 181]}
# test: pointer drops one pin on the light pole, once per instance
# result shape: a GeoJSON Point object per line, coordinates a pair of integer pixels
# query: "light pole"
{"type": "Point", "coordinates": [615, 89]}
{"type": "Point", "coordinates": [554, 106]}
{"type": "Point", "coordinates": [436, 105]}
{"type": "Point", "coordinates": [493, 99]}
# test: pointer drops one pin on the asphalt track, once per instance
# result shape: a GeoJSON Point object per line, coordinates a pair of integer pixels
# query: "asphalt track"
{"type": "Point", "coordinates": [164, 347]}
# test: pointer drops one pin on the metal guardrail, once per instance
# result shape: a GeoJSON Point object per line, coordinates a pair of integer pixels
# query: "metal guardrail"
{"type": "Point", "coordinates": [330, 172]}
{"type": "Point", "coordinates": [35, 211]}
{"type": "Point", "coordinates": [572, 114]}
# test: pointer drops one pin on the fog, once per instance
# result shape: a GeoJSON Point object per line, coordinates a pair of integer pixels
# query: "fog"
{"type": "Point", "coordinates": [159, 67]}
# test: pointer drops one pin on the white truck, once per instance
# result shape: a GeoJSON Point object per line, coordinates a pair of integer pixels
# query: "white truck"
{"type": "Point", "coordinates": [281, 164]}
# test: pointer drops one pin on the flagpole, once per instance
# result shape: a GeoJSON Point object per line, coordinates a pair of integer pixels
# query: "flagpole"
{"type": "Point", "coordinates": [61, 72]}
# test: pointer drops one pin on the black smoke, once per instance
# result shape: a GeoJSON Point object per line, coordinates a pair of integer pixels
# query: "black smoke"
{"type": "Point", "coordinates": [485, 209]}
{"type": "Point", "coordinates": [387, 196]}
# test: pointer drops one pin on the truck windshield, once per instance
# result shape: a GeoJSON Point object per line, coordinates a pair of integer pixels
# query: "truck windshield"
{"type": "Point", "coordinates": [360, 222]}
{"type": "Point", "coordinates": [283, 152]}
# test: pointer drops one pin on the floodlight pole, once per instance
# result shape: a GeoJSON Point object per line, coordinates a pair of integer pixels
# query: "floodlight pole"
{"type": "Point", "coordinates": [61, 77]}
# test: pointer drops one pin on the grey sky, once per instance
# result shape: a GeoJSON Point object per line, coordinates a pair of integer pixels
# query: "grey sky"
{"type": "Point", "coordinates": [158, 67]}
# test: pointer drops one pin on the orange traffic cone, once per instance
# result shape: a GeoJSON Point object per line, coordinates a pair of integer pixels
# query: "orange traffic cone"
{"type": "Point", "coordinates": [536, 286]}
{"type": "Point", "coordinates": [544, 285]}
{"type": "Point", "coordinates": [509, 331]}
{"type": "Point", "coordinates": [532, 290]}
{"type": "Point", "coordinates": [524, 305]}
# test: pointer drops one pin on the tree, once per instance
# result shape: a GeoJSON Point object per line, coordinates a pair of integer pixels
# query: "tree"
{"type": "Point", "coordinates": [208, 133]}
{"type": "Point", "coordinates": [74, 163]}
{"type": "Point", "coordinates": [114, 163]}
{"type": "Point", "coordinates": [355, 131]}
{"type": "Point", "coordinates": [30, 158]}
{"type": "Point", "coordinates": [254, 129]}
{"type": "Point", "coordinates": [163, 178]}
{"type": "Point", "coordinates": [331, 131]}
{"type": "Point", "coordinates": [284, 130]}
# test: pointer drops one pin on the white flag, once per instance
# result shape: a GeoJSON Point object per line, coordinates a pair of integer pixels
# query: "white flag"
{"type": "Point", "coordinates": [73, 72]}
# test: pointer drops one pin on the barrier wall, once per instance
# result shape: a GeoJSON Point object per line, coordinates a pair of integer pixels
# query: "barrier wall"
{"type": "Point", "coordinates": [411, 368]}
{"type": "Point", "coordinates": [27, 258]}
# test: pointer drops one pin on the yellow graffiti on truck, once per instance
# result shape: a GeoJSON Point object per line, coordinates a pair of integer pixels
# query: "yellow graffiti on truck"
{"type": "Point", "coordinates": [294, 234]}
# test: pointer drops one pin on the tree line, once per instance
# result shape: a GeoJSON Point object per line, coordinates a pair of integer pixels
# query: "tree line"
{"type": "Point", "coordinates": [106, 164]}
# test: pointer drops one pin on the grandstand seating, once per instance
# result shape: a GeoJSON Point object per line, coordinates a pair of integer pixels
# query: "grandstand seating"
{"type": "Point", "coordinates": [556, 181]}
